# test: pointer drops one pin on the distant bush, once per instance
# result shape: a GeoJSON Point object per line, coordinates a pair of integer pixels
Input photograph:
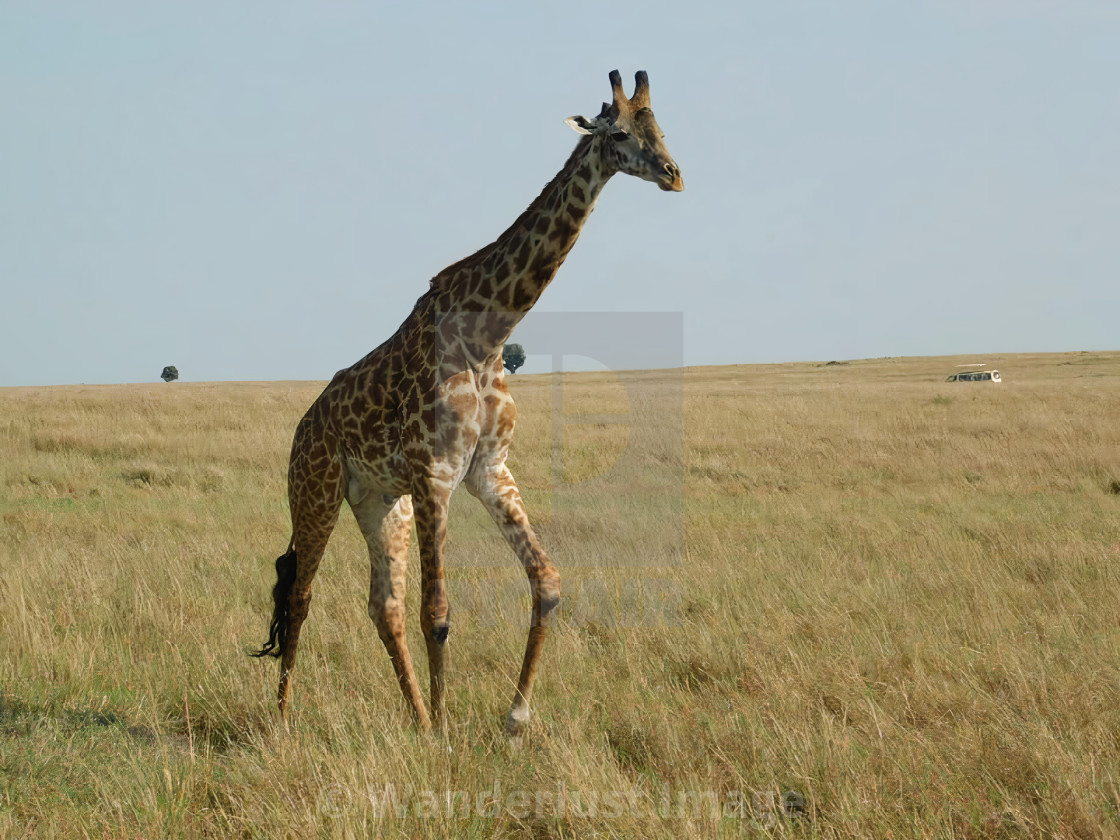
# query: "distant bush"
{"type": "Point", "coordinates": [513, 357]}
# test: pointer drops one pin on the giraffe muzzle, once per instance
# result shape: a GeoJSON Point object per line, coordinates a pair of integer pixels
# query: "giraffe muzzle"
{"type": "Point", "coordinates": [671, 181]}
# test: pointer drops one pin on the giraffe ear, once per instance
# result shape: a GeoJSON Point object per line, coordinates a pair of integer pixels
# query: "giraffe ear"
{"type": "Point", "coordinates": [580, 125]}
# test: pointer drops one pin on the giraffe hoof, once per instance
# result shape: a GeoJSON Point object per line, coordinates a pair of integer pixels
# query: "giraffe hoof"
{"type": "Point", "coordinates": [517, 722]}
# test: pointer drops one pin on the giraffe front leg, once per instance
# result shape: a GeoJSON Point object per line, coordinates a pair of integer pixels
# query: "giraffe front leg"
{"type": "Point", "coordinates": [495, 488]}
{"type": "Point", "coordinates": [386, 528]}
{"type": "Point", "coordinates": [430, 502]}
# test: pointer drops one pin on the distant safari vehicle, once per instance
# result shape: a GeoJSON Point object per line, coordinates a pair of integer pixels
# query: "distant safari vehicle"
{"type": "Point", "coordinates": [975, 376]}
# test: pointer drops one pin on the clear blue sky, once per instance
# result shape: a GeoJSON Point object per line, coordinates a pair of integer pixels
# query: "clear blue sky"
{"type": "Point", "coordinates": [261, 190]}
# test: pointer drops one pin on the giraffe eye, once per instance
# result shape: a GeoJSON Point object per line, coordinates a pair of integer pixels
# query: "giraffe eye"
{"type": "Point", "coordinates": [619, 136]}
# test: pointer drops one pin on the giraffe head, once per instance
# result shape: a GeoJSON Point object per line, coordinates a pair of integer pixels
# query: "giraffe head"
{"type": "Point", "coordinates": [632, 141]}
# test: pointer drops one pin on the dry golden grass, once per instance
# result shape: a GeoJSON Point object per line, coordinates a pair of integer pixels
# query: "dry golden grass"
{"type": "Point", "coordinates": [895, 596]}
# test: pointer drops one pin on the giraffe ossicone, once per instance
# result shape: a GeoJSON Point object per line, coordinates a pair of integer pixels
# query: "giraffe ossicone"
{"type": "Point", "coordinates": [395, 433]}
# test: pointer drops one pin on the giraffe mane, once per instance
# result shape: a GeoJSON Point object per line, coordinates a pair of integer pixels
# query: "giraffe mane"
{"type": "Point", "coordinates": [446, 278]}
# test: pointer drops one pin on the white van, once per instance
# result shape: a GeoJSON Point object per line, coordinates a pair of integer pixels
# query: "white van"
{"type": "Point", "coordinates": [976, 376]}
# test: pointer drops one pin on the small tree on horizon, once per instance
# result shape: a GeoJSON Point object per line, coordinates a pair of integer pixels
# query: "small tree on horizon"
{"type": "Point", "coordinates": [513, 357]}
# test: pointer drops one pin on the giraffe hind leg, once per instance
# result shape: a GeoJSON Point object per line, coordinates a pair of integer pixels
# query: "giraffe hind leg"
{"type": "Point", "coordinates": [316, 478]}
{"type": "Point", "coordinates": [310, 541]}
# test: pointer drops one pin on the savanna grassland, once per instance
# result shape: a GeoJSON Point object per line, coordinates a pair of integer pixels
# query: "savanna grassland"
{"type": "Point", "coordinates": [820, 600]}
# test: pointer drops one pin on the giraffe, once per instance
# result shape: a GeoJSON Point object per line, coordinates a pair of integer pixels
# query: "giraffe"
{"type": "Point", "coordinates": [395, 433]}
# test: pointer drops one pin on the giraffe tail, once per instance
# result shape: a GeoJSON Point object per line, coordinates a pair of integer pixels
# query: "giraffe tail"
{"type": "Point", "coordinates": [281, 592]}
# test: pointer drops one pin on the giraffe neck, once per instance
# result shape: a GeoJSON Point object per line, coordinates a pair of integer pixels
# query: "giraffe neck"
{"type": "Point", "coordinates": [490, 291]}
